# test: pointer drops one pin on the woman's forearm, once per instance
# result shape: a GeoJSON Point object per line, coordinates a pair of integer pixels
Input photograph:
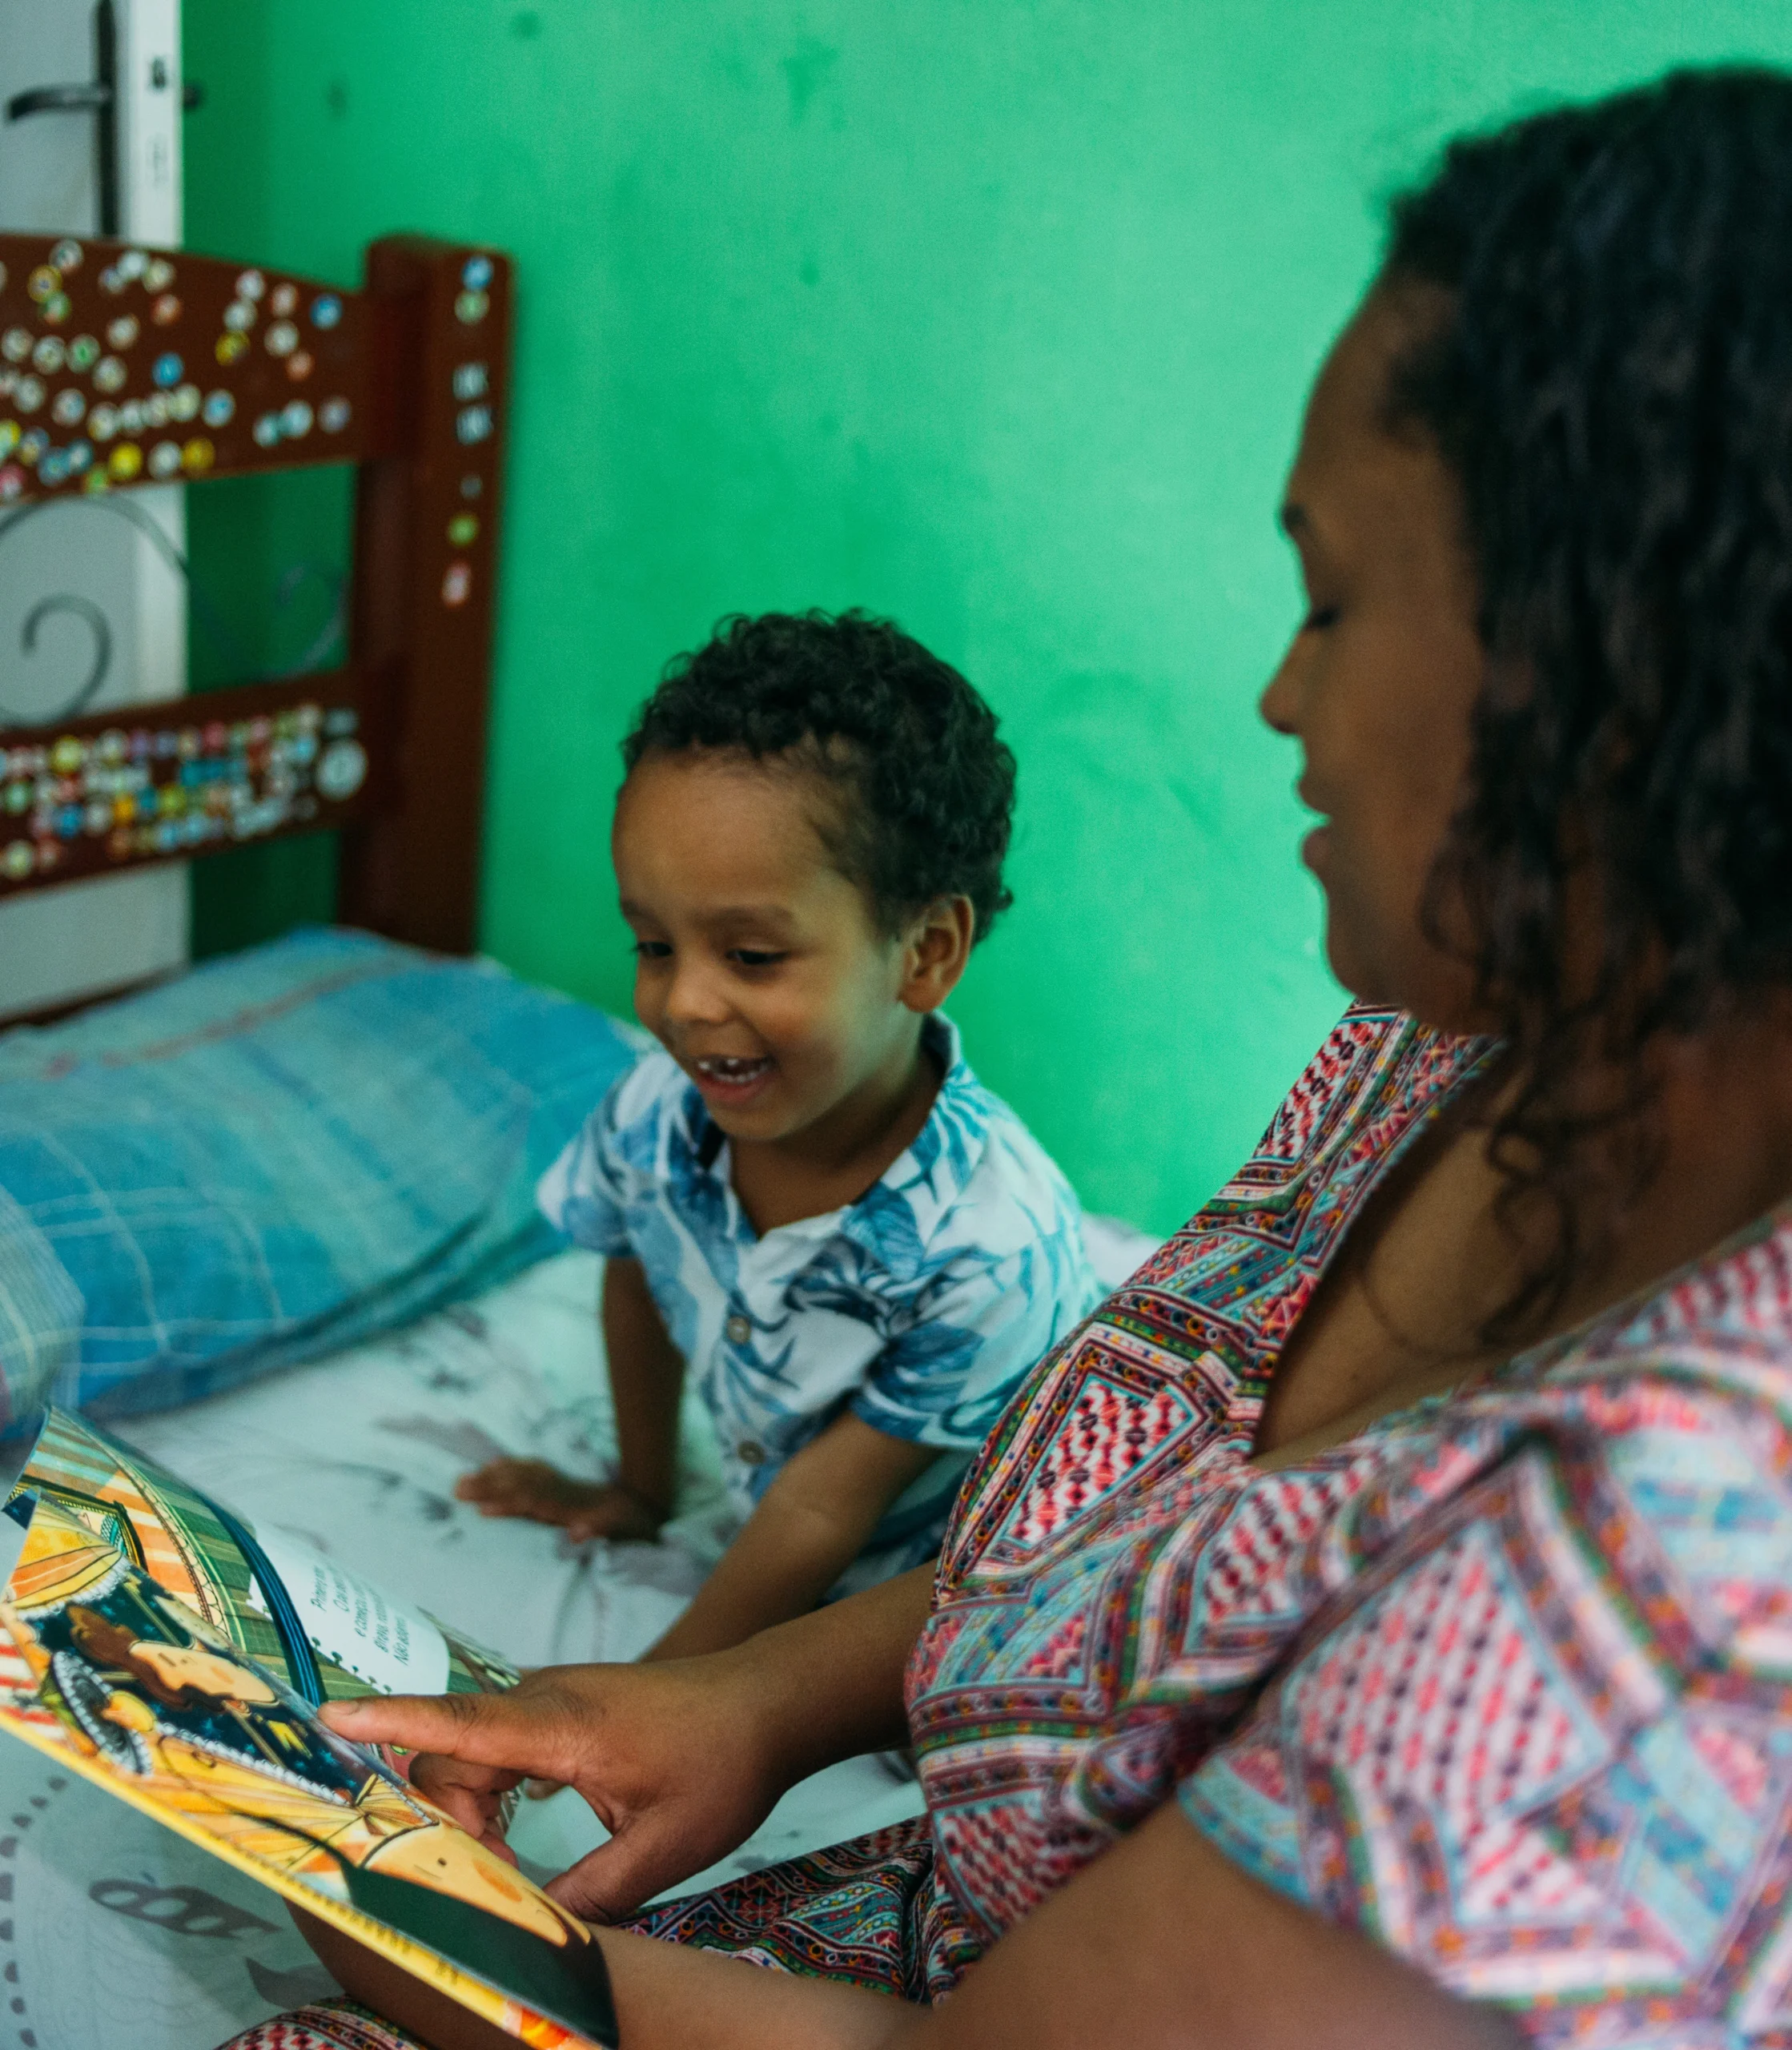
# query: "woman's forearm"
{"type": "Point", "coordinates": [830, 1684]}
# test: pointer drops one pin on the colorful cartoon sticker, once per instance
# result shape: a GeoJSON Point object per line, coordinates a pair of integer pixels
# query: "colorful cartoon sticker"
{"type": "Point", "coordinates": [325, 310]}
{"type": "Point", "coordinates": [49, 355]}
{"type": "Point", "coordinates": [166, 311]}
{"type": "Point", "coordinates": [250, 285]}
{"type": "Point", "coordinates": [240, 316]}
{"type": "Point", "coordinates": [15, 344]}
{"type": "Point", "coordinates": [167, 371]}
{"type": "Point", "coordinates": [67, 407]}
{"type": "Point", "coordinates": [56, 308]}
{"type": "Point", "coordinates": [183, 402]}
{"type": "Point", "coordinates": [122, 332]}
{"type": "Point", "coordinates": [108, 375]}
{"type": "Point", "coordinates": [476, 273]}
{"type": "Point", "coordinates": [219, 408]}
{"type": "Point", "coordinates": [471, 308]}
{"type": "Point", "coordinates": [284, 300]}
{"type": "Point", "coordinates": [470, 380]}
{"type": "Point", "coordinates": [198, 457]}
{"type": "Point", "coordinates": [333, 415]}
{"type": "Point", "coordinates": [164, 459]}
{"type": "Point", "coordinates": [103, 422]}
{"type": "Point", "coordinates": [29, 395]}
{"type": "Point", "coordinates": [295, 421]}
{"type": "Point", "coordinates": [282, 339]}
{"type": "Point", "coordinates": [457, 583]}
{"type": "Point", "coordinates": [83, 353]}
{"type": "Point", "coordinates": [158, 274]}
{"type": "Point", "coordinates": [299, 365]}
{"type": "Point", "coordinates": [44, 283]}
{"type": "Point", "coordinates": [463, 528]}
{"type": "Point", "coordinates": [125, 461]}
{"type": "Point", "coordinates": [66, 256]}
{"type": "Point", "coordinates": [230, 348]}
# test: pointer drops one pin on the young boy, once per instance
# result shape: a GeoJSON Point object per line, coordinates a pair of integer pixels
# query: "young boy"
{"type": "Point", "coordinates": [807, 1199]}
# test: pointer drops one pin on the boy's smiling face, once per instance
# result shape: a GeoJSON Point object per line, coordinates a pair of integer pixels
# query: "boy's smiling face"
{"type": "Point", "coordinates": [759, 966]}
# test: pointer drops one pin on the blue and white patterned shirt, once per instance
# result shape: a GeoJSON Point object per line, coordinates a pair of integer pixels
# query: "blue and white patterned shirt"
{"type": "Point", "coordinates": [918, 1307]}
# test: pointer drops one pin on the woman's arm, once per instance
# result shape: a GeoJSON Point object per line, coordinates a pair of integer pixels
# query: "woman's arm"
{"type": "Point", "coordinates": [1160, 1944]}
{"type": "Point", "coordinates": [810, 1524]}
{"type": "Point", "coordinates": [682, 1760]}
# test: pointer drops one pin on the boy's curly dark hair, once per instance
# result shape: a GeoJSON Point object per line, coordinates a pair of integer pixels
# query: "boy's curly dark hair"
{"type": "Point", "coordinates": [1609, 374]}
{"type": "Point", "coordinates": [929, 785]}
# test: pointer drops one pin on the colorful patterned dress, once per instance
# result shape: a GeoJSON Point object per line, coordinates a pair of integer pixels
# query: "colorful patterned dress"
{"type": "Point", "coordinates": [1505, 1681]}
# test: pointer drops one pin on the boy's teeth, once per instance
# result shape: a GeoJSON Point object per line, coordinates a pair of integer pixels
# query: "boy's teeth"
{"type": "Point", "coordinates": [727, 1068]}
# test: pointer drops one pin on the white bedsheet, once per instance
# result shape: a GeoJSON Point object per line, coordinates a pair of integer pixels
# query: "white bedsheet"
{"type": "Point", "coordinates": [358, 1455]}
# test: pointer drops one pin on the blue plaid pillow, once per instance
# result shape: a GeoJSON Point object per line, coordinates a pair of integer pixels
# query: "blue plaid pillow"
{"type": "Point", "coordinates": [277, 1154]}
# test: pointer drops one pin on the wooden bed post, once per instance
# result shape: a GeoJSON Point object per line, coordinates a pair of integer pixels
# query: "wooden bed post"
{"type": "Point", "coordinates": [121, 366]}
{"type": "Point", "coordinates": [427, 517]}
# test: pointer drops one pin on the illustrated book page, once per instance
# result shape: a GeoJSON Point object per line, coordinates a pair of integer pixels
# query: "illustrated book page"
{"type": "Point", "coordinates": [133, 1688]}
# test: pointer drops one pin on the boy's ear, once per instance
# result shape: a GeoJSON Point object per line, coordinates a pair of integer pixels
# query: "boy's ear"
{"type": "Point", "coordinates": [935, 952]}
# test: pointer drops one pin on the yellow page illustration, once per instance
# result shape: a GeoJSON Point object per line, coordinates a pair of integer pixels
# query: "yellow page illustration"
{"type": "Point", "coordinates": [103, 1668]}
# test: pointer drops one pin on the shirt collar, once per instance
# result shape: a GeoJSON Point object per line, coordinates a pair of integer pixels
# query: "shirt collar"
{"type": "Point", "coordinates": [895, 1219]}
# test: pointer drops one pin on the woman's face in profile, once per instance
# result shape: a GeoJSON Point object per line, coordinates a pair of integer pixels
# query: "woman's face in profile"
{"type": "Point", "coordinates": [1379, 682]}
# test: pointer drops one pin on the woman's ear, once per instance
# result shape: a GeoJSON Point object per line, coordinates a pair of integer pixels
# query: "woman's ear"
{"type": "Point", "coordinates": [935, 950]}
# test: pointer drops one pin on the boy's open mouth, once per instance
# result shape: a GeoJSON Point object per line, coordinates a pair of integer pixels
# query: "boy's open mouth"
{"type": "Point", "coordinates": [733, 1070]}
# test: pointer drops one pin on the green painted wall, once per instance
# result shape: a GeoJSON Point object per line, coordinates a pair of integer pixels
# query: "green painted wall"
{"type": "Point", "coordinates": [994, 316]}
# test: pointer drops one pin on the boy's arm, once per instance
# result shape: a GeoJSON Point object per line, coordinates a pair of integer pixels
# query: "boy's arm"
{"type": "Point", "coordinates": [647, 1377]}
{"type": "Point", "coordinates": [647, 1382]}
{"type": "Point", "coordinates": [811, 1523]}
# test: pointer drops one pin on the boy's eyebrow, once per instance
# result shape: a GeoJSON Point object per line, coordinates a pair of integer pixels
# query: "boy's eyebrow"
{"type": "Point", "coordinates": [723, 914]}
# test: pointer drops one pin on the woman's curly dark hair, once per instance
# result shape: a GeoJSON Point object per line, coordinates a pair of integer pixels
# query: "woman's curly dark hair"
{"type": "Point", "coordinates": [1608, 371]}
{"type": "Point", "coordinates": [929, 786]}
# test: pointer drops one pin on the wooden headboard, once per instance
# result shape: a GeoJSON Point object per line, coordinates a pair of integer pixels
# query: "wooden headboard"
{"type": "Point", "coordinates": [121, 366]}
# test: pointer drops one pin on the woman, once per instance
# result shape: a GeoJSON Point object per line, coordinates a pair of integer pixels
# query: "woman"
{"type": "Point", "coordinates": [1373, 1626]}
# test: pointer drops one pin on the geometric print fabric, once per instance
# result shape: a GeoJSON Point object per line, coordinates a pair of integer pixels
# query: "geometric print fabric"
{"type": "Point", "coordinates": [1505, 1682]}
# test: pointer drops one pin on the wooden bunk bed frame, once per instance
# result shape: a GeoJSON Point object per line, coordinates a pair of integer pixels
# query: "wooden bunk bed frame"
{"type": "Point", "coordinates": [122, 366]}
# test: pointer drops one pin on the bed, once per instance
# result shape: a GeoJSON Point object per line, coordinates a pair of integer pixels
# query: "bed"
{"type": "Point", "coordinates": [324, 1344]}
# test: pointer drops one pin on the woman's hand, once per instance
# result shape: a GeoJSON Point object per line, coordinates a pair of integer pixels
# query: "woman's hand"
{"type": "Point", "coordinates": [672, 1758]}
{"type": "Point", "coordinates": [681, 1760]}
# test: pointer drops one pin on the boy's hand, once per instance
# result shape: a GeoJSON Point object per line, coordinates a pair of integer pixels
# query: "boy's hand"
{"type": "Point", "coordinates": [584, 1510]}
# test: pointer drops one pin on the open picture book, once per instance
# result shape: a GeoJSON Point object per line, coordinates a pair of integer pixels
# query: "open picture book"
{"type": "Point", "coordinates": [154, 1647]}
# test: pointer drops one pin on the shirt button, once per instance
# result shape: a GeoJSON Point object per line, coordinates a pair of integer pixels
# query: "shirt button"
{"type": "Point", "coordinates": [751, 1453]}
{"type": "Point", "coordinates": [739, 1329]}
